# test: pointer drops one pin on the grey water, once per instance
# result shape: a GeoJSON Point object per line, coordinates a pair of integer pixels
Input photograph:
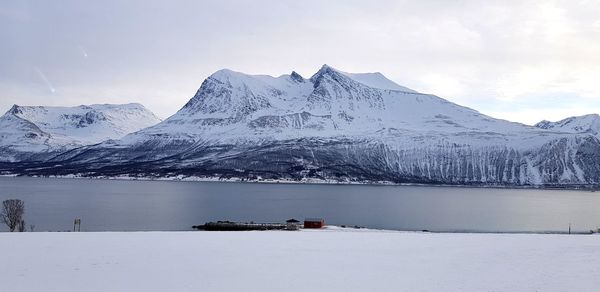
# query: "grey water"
{"type": "Point", "coordinates": [52, 204]}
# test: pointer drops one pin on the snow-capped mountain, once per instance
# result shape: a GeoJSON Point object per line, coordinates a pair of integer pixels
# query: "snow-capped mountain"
{"type": "Point", "coordinates": [582, 124]}
{"type": "Point", "coordinates": [335, 126]}
{"type": "Point", "coordinates": [233, 106]}
{"type": "Point", "coordinates": [27, 131]}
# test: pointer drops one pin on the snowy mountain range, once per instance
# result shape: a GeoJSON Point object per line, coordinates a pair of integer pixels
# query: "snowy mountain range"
{"type": "Point", "coordinates": [334, 126]}
{"type": "Point", "coordinates": [582, 124]}
{"type": "Point", "coordinates": [39, 131]}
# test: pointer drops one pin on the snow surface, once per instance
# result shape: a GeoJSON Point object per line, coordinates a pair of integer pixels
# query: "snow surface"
{"type": "Point", "coordinates": [298, 261]}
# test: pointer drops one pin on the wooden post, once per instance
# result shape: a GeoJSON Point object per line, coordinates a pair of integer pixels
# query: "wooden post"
{"type": "Point", "coordinates": [77, 224]}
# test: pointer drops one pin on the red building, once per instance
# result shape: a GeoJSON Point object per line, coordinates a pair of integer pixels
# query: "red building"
{"type": "Point", "coordinates": [314, 223]}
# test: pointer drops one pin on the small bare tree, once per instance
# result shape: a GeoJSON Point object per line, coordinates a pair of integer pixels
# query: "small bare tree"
{"type": "Point", "coordinates": [12, 214]}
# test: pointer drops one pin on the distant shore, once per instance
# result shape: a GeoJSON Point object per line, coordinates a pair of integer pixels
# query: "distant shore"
{"type": "Point", "coordinates": [314, 181]}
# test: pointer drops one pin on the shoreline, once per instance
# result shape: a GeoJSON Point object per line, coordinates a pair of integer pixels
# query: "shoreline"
{"type": "Point", "coordinates": [337, 228]}
{"type": "Point", "coordinates": [311, 181]}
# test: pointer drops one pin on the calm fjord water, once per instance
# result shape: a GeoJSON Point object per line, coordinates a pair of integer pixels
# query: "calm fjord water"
{"type": "Point", "coordinates": [118, 205]}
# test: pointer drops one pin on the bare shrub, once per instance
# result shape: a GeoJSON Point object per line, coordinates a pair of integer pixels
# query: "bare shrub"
{"type": "Point", "coordinates": [12, 214]}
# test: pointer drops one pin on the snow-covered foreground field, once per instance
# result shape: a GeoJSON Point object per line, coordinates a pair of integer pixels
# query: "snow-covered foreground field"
{"type": "Point", "coordinates": [298, 261]}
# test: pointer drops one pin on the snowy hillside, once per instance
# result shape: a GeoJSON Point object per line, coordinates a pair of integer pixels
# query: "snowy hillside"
{"type": "Point", "coordinates": [26, 130]}
{"type": "Point", "coordinates": [335, 126]}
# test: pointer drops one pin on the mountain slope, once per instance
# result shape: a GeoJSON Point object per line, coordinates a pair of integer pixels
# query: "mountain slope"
{"type": "Point", "coordinates": [335, 126]}
{"type": "Point", "coordinates": [27, 131]}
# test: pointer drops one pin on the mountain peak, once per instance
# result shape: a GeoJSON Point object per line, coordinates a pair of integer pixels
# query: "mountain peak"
{"type": "Point", "coordinates": [223, 74]}
{"type": "Point", "coordinates": [297, 77]}
{"type": "Point", "coordinates": [327, 67]}
{"type": "Point", "coordinates": [374, 80]}
{"type": "Point", "coordinates": [15, 109]}
{"type": "Point", "coordinates": [325, 70]}
{"type": "Point", "coordinates": [544, 124]}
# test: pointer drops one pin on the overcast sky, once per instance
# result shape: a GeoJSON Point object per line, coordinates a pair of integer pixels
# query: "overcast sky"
{"type": "Point", "coordinates": [523, 61]}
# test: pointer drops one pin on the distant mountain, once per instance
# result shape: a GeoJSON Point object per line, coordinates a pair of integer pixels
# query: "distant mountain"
{"type": "Point", "coordinates": [36, 131]}
{"type": "Point", "coordinates": [582, 124]}
{"type": "Point", "coordinates": [333, 126]}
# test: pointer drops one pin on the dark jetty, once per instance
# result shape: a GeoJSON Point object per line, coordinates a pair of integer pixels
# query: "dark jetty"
{"type": "Point", "coordinates": [239, 226]}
